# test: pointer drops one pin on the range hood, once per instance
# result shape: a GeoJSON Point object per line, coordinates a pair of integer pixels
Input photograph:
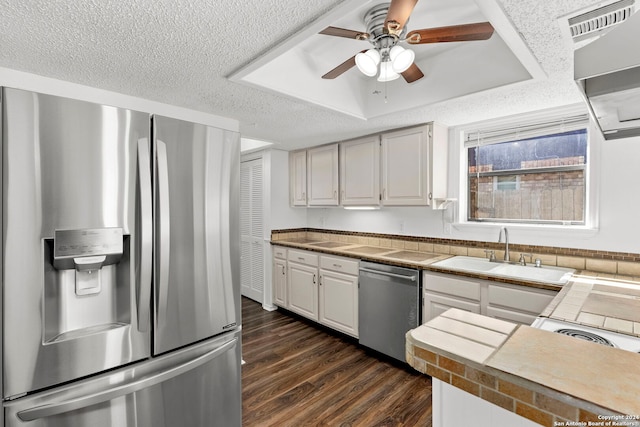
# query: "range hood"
{"type": "Point", "coordinates": [607, 71]}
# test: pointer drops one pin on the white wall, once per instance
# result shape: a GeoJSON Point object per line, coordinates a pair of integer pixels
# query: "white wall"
{"type": "Point", "coordinates": [616, 172]}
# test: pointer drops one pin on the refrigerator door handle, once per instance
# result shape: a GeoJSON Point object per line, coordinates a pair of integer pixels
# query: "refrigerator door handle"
{"type": "Point", "coordinates": [56, 408]}
{"type": "Point", "coordinates": [163, 228]}
{"type": "Point", "coordinates": [146, 235]}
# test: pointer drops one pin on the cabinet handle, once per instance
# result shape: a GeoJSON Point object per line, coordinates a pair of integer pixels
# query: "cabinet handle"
{"type": "Point", "coordinates": [314, 279]}
{"type": "Point", "coordinates": [283, 270]}
{"type": "Point", "coordinates": [384, 193]}
{"type": "Point", "coordinates": [300, 258]}
{"type": "Point", "coordinates": [337, 265]}
{"type": "Point", "coordinates": [320, 282]}
{"type": "Point", "coordinates": [335, 194]}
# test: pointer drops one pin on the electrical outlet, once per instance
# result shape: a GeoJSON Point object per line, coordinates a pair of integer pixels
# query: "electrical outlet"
{"type": "Point", "coordinates": [447, 228]}
{"type": "Point", "coordinates": [401, 227]}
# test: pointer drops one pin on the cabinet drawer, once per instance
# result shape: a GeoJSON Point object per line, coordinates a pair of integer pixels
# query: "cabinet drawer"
{"type": "Point", "coordinates": [303, 257]}
{"type": "Point", "coordinates": [435, 305]}
{"type": "Point", "coordinates": [522, 299]}
{"type": "Point", "coordinates": [451, 286]}
{"type": "Point", "coordinates": [279, 252]}
{"type": "Point", "coordinates": [510, 315]}
{"type": "Point", "coordinates": [339, 264]}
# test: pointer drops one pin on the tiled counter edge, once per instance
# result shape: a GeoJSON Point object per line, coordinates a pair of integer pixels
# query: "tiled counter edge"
{"type": "Point", "coordinates": [528, 399]}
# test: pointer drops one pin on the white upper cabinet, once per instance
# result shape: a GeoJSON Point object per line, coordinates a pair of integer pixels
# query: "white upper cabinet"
{"type": "Point", "coordinates": [360, 172]}
{"type": "Point", "coordinates": [322, 175]}
{"type": "Point", "coordinates": [414, 165]}
{"type": "Point", "coordinates": [407, 167]}
{"type": "Point", "coordinates": [298, 178]}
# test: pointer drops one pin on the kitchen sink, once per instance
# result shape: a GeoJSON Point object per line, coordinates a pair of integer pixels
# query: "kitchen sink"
{"type": "Point", "coordinates": [545, 274]}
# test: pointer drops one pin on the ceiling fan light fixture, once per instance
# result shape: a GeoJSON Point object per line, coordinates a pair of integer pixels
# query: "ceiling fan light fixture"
{"type": "Point", "coordinates": [401, 58]}
{"type": "Point", "coordinates": [386, 72]}
{"type": "Point", "coordinates": [368, 61]}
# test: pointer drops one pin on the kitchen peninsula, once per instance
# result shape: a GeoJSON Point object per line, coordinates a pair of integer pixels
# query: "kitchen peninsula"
{"type": "Point", "coordinates": [542, 376]}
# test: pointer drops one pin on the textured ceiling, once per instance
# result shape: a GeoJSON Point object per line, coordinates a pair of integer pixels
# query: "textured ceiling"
{"type": "Point", "coordinates": [181, 52]}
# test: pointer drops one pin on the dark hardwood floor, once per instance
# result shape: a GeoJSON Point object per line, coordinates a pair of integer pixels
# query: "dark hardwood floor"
{"type": "Point", "coordinates": [298, 373]}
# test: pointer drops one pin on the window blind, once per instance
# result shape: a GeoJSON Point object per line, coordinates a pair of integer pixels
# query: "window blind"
{"type": "Point", "coordinates": [525, 130]}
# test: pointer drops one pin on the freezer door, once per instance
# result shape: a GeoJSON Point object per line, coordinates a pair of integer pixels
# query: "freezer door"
{"type": "Point", "coordinates": [194, 387]}
{"type": "Point", "coordinates": [76, 195]}
{"type": "Point", "coordinates": [196, 261]}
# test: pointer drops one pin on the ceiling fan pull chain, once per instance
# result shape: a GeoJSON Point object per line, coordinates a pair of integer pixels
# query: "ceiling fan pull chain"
{"type": "Point", "coordinates": [385, 92]}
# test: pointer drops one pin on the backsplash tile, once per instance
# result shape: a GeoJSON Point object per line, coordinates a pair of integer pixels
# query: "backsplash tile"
{"type": "Point", "coordinates": [605, 266]}
{"type": "Point", "coordinates": [571, 262]}
{"type": "Point", "coordinates": [612, 264]}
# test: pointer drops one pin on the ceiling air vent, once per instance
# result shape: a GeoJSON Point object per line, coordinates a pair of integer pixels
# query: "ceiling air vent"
{"type": "Point", "coordinates": [592, 23]}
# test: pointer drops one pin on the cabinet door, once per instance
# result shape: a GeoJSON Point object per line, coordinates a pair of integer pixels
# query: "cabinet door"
{"type": "Point", "coordinates": [302, 287]}
{"type": "Point", "coordinates": [360, 172]}
{"type": "Point", "coordinates": [280, 282]}
{"type": "Point", "coordinates": [435, 305]}
{"type": "Point", "coordinates": [339, 301]}
{"type": "Point", "coordinates": [322, 175]}
{"type": "Point", "coordinates": [298, 178]}
{"type": "Point", "coordinates": [517, 303]}
{"type": "Point", "coordinates": [405, 163]}
{"type": "Point", "coordinates": [448, 401]}
{"type": "Point", "coordinates": [251, 230]}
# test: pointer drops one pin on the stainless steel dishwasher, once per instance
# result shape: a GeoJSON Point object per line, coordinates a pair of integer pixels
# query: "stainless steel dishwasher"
{"type": "Point", "coordinates": [388, 306]}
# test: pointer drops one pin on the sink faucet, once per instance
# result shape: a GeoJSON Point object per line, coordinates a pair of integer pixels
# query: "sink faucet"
{"type": "Point", "coordinates": [506, 242]}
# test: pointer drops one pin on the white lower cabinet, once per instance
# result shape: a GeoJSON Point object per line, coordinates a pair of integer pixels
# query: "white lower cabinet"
{"type": "Point", "coordinates": [302, 283]}
{"type": "Point", "coordinates": [514, 303]}
{"type": "Point", "coordinates": [445, 291]}
{"type": "Point", "coordinates": [280, 276]}
{"type": "Point", "coordinates": [338, 294]}
{"type": "Point", "coordinates": [320, 287]}
{"type": "Point", "coordinates": [453, 407]}
{"type": "Point", "coordinates": [517, 303]}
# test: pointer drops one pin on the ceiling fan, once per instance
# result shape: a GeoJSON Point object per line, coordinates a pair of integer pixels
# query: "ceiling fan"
{"type": "Point", "coordinates": [385, 25]}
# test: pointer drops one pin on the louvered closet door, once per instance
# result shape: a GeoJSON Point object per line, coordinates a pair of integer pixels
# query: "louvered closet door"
{"type": "Point", "coordinates": [251, 230]}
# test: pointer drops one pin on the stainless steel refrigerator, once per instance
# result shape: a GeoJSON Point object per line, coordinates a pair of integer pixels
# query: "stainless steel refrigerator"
{"type": "Point", "coordinates": [120, 267]}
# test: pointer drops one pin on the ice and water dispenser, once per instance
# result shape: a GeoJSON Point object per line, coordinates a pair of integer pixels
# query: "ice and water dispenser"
{"type": "Point", "coordinates": [86, 282]}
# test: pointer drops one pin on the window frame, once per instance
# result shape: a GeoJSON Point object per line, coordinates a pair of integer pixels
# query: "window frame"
{"type": "Point", "coordinates": [519, 173]}
{"type": "Point", "coordinates": [591, 216]}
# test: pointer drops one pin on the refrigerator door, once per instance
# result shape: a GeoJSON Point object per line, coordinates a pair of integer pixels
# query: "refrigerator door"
{"type": "Point", "coordinates": [76, 284]}
{"type": "Point", "coordinates": [194, 387]}
{"type": "Point", "coordinates": [196, 262]}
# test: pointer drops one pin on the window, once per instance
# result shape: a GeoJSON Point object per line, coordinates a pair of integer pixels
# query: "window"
{"type": "Point", "coordinates": [529, 174]}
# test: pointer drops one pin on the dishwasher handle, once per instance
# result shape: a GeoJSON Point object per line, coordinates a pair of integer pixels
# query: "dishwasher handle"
{"type": "Point", "coordinates": [412, 278]}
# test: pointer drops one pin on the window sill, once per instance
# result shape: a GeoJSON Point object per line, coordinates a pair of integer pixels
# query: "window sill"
{"type": "Point", "coordinates": [525, 230]}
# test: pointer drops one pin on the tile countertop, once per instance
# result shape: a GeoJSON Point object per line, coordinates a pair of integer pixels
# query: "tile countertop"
{"type": "Point", "coordinates": [610, 304]}
{"type": "Point", "coordinates": [546, 377]}
{"type": "Point", "coordinates": [399, 257]}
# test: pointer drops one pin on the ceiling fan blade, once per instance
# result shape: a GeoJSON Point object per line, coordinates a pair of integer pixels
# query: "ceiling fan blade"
{"type": "Point", "coordinates": [342, 32]}
{"type": "Point", "coordinates": [412, 73]}
{"type": "Point", "coordinates": [345, 66]}
{"type": "Point", "coordinates": [453, 33]}
{"type": "Point", "coordinates": [397, 15]}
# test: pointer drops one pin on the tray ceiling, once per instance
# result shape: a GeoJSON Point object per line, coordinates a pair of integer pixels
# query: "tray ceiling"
{"type": "Point", "coordinates": [452, 70]}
